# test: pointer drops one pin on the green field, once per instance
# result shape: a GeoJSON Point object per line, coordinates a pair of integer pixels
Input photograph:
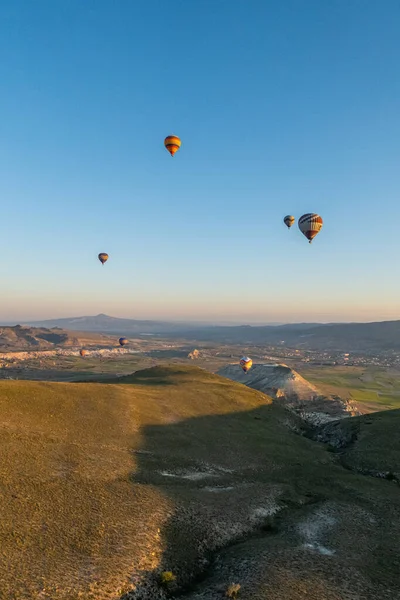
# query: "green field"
{"type": "Point", "coordinates": [103, 485]}
{"type": "Point", "coordinates": [373, 388]}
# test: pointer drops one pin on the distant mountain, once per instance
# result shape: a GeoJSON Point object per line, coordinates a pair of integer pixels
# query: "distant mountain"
{"type": "Point", "coordinates": [346, 337]}
{"type": "Point", "coordinates": [105, 324]}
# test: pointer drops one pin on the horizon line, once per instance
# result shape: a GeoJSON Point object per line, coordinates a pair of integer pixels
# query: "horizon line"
{"type": "Point", "coordinates": [205, 322]}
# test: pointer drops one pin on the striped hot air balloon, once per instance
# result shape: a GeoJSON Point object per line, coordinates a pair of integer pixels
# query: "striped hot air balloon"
{"type": "Point", "coordinates": [246, 363]}
{"type": "Point", "coordinates": [103, 257]}
{"type": "Point", "coordinates": [123, 341]}
{"type": "Point", "coordinates": [310, 224]}
{"type": "Point", "coordinates": [172, 144]}
{"type": "Point", "coordinates": [289, 220]}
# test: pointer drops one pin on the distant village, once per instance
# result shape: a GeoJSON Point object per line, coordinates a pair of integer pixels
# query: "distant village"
{"type": "Point", "coordinates": [334, 358]}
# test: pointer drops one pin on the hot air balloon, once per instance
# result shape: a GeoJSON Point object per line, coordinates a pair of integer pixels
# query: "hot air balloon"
{"type": "Point", "coordinates": [246, 363]}
{"type": "Point", "coordinates": [289, 220]}
{"type": "Point", "coordinates": [82, 352]}
{"type": "Point", "coordinates": [103, 257]}
{"type": "Point", "coordinates": [123, 341]}
{"type": "Point", "coordinates": [310, 224]}
{"type": "Point", "coordinates": [172, 144]}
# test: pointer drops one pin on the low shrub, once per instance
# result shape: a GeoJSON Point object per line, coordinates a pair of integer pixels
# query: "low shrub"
{"type": "Point", "coordinates": [167, 578]}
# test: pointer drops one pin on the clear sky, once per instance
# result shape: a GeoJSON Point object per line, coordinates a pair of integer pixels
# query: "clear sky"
{"type": "Point", "coordinates": [282, 107]}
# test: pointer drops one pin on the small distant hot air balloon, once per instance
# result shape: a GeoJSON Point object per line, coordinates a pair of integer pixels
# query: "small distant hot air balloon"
{"type": "Point", "coordinates": [172, 144]}
{"type": "Point", "coordinates": [246, 363]}
{"type": "Point", "coordinates": [103, 257]}
{"type": "Point", "coordinates": [289, 220]}
{"type": "Point", "coordinates": [82, 352]}
{"type": "Point", "coordinates": [123, 341]}
{"type": "Point", "coordinates": [310, 224]}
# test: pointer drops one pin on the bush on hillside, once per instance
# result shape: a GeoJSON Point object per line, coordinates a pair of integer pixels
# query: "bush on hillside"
{"type": "Point", "coordinates": [167, 579]}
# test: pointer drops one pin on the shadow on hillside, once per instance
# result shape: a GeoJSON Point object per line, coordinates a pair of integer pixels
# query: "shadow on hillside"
{"type": "Point", "coordinates": [226, 474]}
{"type": "Point", "coordinates": [217, 470]}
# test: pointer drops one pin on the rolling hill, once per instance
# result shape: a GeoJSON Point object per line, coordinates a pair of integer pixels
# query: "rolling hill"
{"type": "Point", "coordinates": [105, 485]}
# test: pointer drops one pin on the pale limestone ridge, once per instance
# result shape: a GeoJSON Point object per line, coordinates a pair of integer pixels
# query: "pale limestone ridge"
{"type": "Point", "coordinates": [283, 383]}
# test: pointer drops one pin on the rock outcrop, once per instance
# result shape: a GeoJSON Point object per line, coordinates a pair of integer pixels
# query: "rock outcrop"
{"type": "Point", "coordinates": [286, 385]}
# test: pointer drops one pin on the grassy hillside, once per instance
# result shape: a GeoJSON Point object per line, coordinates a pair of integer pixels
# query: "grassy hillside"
{"type": "Point", "coordinates": [104, 484]}
{"type": "Point", "coordinates": [370, 443]}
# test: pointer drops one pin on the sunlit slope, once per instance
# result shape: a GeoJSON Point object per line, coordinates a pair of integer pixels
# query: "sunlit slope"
{"type": "Point", "coordinates": [102, 485]}
{"type": "Point", "coordinates": [68, 514]}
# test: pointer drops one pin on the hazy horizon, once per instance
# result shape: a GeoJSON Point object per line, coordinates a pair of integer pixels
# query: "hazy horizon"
{"type": "Point", "coordinates": [194, 320]}
{"type": "Point", "coordinates": [282, 108]}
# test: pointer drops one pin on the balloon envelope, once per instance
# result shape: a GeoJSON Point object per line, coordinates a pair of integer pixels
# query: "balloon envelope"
{"type": "Point", "coordinates": [289, 220]}
{"type": "Point", "coordinates": [310, 225]}
{"type": "Point", "coordinates": [172, 144]}
{"type": "Point", "coordinates": [246, 363]}
{"type": "Point", "coordinates": [123, 341]}
{"type": "Point", "coordinates": [82, 352]}
{"type": "Point", "coordinates": [103, 257]}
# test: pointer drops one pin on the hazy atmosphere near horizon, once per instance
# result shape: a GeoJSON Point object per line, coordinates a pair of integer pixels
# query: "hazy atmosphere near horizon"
{"type": "Point", "coordinates": [282, 108]}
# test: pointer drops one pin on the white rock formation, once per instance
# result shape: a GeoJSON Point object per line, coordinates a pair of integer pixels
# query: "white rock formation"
{"type": "Point", "coordinates": [283, 383]}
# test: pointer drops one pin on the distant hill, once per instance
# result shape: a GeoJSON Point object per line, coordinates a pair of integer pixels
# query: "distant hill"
{"type": "Point", "coordinates": [346, 337]}
{"type": "Point", "coordinates": [105, 485]}
{"type": "Point", "coordinates": [24, 337]}
{"type": "Point", "coordinates": [105, 324]}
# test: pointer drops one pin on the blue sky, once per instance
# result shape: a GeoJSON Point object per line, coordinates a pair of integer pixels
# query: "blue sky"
{"type": "Point", "coordinates": [282, 107]}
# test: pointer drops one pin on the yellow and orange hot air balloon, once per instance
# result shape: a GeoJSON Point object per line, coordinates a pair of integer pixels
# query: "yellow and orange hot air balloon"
{"type": "Point", "coordinates": [310, 225]}
{"type": "Point", "coordinates": [82, 352]}
{"type": "Point", "coordinates": [172, 144]}
{"type": "Point", "coordinates": [246, 363]}
{"type": "Point", "coordinates": [289, 220]}
{"type": "Point", "coordinates": [103, 257]}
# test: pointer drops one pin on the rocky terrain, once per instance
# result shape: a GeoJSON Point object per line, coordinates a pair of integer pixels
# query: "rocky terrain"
{"type": "Point", "coordinates": [281, 382]}
{"type": "Point", "coordinates": [17, 357]}
{"type": "Point", "coordinates": [25, 338]}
